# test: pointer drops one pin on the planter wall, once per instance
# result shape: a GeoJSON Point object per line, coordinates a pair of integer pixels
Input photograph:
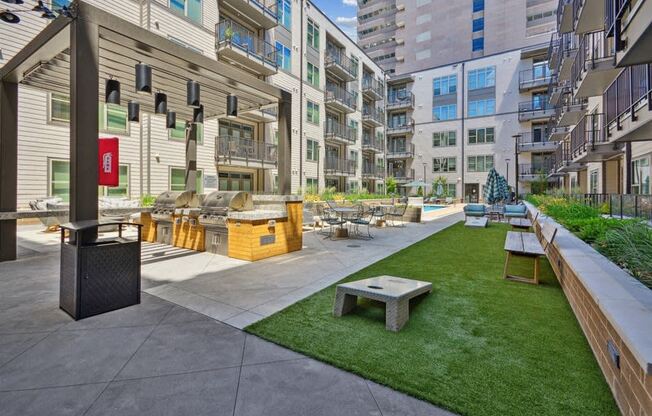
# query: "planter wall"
{"type": "Point", "coordinates": [615, 313]}
{"type": "Point", "coordinates": [412, 214]}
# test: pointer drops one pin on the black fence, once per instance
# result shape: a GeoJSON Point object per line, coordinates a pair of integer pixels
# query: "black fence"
{"type": "Point", "coordinates": [619, 205]}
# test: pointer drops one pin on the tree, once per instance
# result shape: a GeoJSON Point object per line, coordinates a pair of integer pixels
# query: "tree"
{"type": "Point", "coordinates": [390, 184]}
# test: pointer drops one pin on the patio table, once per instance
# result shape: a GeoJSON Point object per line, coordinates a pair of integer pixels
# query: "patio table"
{"type": "Point", "coordinates": [342, 211]}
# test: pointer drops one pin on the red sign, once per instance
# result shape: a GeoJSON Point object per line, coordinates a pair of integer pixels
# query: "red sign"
{"type": "Point", "coordinates": [108, 162]}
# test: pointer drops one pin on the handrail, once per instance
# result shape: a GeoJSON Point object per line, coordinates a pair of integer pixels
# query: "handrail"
{"type": "Point", "coordinates": [243, 148]}
{"type": "Point", "coordinates": [339, 165]}
{"type": "Point", "coordinates": [335, 57]}
{"type": "Point", "coordinates": [335, 92]}
{"type": "Point", "coordinates": [400, 148]}
{"type": "Point", "coordinates": [631, 87]}
{"type": "Point", "coordinates": [535, 169]}
{"type": "Point", "coordinates": [233, 34]}
{"type": "Point", "coordinates": [399, 98]}
{"type": "Point", "coordinates": [372, 169]}
{"type": "Point", "coordinates": [370, 83]}
{"type": "Point", "coordinates": [341, 131]}
{"type": "Point", "coordinates": [527, 138]}
{"type": "Point", "coordinates": [373, 142]}
{"type": "Point", "coordinates": [588, 132]}
{"type": "Point", "coordinates": [534, 74]}
{"type": "Point", "coordinates": [613, 12]}
{"type": "Point", "coordinates": [373, 113]}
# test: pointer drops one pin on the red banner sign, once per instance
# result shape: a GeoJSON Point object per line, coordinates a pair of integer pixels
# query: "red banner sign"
{"type": "Point", "coordinates": [108, 162]}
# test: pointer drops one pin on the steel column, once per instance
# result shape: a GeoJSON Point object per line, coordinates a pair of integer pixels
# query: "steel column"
{"type": "Point", "coordinates": [191, 157]}
{"type": "Point", "coordinates": [285, 143]}
{"type": "Point", "coordinates": [8, 166]}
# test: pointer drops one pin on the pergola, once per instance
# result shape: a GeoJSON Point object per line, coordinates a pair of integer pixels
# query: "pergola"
{"type": "Point", "coordinates": [75, 56]}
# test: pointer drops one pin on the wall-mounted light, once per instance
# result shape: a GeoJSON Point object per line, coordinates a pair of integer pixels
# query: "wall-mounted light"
{"type": "Point", "coordinates": [198, 115]}
{"type": "Point", "coordinates": [112, 92]}
{"type": "Point", "coordinates": [133, 111]}
{"type": "Point", "coordinates": [171, 120]}
{"type": "Point", "coordinates": [160, 103]}
{"type": "Point", "coordinates": [231, 106]}
{"type": "Point", "coordinates": [143, 78]}
{"type": "Point", "coordinates": [192, 93]}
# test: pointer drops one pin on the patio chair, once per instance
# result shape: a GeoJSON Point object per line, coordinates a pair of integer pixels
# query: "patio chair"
{"type": "Point", "coordinates": [515, 211]}
{"type": "Point", "coordinates": [363, 217]}
{"type": "Point", "coordinates": [397, 213]}
{"type": "Point", "coordinates": [331, 218]}
{"type": "Point", "coordinates": [474, 210]}
{"type": "Point", "coordinates": [449, 200]}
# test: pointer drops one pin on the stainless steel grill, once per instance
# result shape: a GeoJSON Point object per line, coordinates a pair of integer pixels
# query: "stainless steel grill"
{"type": "Point", "coordinates": [167, 202]}
{"type": "Point", "coordinates": [213, 216]}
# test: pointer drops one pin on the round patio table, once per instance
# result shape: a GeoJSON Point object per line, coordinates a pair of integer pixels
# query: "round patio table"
{"type": "Point", "coordinates": [342, 211]}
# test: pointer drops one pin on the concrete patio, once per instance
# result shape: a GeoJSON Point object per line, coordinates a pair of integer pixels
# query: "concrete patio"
{"type": "Point", "coordinates": [171, 354]}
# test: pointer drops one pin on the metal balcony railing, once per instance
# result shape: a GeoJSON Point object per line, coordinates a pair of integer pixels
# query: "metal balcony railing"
{"type": "Point", "coordinates": [399, 99]}
{"type": "Point", "coordinates": [560, 11]}
{"type": "Point", "coordinates": [371, 84]}
{"type": "Point", "coordinates": [629, 89]}
{"type": "Point", "coordinates": [372, 142]}
{"type": "Point", "coordinates": [336, 57]}
{"type": "Point", "coordinates": [614, 11]}
{"type": "Point", "coordinates": [619, 205]}
{"type": "Point", "coordinates": [337, 165]}
{"type": "Point", "coordinates": [588, 133]}
{"type": "Point", "coordinates": [397, 149]}
{"type": "Point", "coordinates": [536, 169]}
{"type": "Point", "coordinates": [373, 170]}
{"type": "Point", "coordinates": [371, 113]}
{"type": "Point", "coordinates": [527, 138]}
{"type": "Point", "coordinates": [593, 48]}
{"type": "Point", "coordinates": [534, 76]}
{"type": "Point", "coordinates": [337, 93]}
{"type": "Point", "coordinates": [401, 174]}
{"type": "Point", "coordinates": [230, 33]}
{"type": "Point", "coordinates": [245, 149]}
{"type": "Point", "coordinates": [340, 131]}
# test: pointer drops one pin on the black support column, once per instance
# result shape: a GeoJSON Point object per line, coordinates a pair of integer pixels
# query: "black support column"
{"type": "Point", "coordinates": [628, 168]}
{"type": "Point", "coordinates": [8, 166]}
{"type": "Point", "coordinates": [191, 157]}
{"type": "Point", "coordinates": [84, 131]}
{"type": "Point", "coordinates": [285, 143]}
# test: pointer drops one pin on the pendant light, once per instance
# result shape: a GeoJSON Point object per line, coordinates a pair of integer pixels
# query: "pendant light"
{"type": "Point", "coordinates": [143, 78]}
{"type": "Point", "coordinates": [112, 92]}
{"type": "Point", "coordinates": [192, 93]}
{"type": "Point", "coordinates": [14, 1]}
{"type": "Point", "coordinates": [171, 120]}
{"type": "Point", "coordinates": [133, 111]}
{"type": "Point", "coordinates": [198, 115]}
{"type": "Point", "coordinates": [160, 103]}
{"type": "Point", "coordinates": [9, 17]}
{"type": "Point", "coordinates": [39, 7]}
{"type": "Point", "coordinates": [232, 106]}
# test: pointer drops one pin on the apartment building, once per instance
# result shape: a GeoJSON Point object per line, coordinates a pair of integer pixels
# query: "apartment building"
{"type": "Point", "coordinates": [602, 82]}
{"type": "Point", "coordinates": [337, 104]}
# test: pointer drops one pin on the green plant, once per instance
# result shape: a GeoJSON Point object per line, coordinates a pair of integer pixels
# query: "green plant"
{"type": "Point", "coordinates": [420, 191]}
{"type": "Point", "coordinates": [147, 200]}
{"type": "Point", "coordinates": [228, 33]}
{"type": "Point", "coordinates": [390, 185]}
{"type": "Point", "coordinates": [630, 246]}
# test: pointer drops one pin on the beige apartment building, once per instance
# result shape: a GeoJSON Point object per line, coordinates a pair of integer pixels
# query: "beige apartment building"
{"type": "Point", "coordinates": [337, 104]}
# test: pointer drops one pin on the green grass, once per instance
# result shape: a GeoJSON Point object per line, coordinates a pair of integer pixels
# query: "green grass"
{"type": "Point", "coordinates": [477, 345]}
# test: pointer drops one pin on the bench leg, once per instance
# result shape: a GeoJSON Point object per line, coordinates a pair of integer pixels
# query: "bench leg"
{"type": "Point", "coordinates": [536, 270]}
{"type": "Point", "coordinates": [344, 303]}
{"type": "Point", "coordinates": [506, 264]}
{"type": "Point", "coordinates": [397, 313]}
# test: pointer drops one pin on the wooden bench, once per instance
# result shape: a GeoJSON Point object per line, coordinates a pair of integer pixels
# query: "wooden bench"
{"type": "Point", "coordinates": [523, 244]}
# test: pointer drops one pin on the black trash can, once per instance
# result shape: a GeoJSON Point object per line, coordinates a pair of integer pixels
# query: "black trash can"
{"type": "Point", "coordinates": [98, 275]}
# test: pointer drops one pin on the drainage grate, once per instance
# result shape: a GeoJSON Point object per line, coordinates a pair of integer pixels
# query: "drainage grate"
{"type": "Point", "coordinates": [353, 246]}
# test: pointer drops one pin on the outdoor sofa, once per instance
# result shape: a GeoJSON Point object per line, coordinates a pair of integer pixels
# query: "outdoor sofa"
{"type": "Point", "coordinates": [474, 210]}
{"type": "Point", "coordinates": [515, 211]}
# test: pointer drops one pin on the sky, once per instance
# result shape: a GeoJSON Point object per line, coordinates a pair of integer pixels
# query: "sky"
{"type": "Point", "coordinates": [342, 12]}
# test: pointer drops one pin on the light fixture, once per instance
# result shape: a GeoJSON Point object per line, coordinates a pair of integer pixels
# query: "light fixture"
{"type": "Point", "coordinates": [112, 92]}
{"type": "Point", "coordinates": [160, 103]}
{"type": "Point", "coordinates": [9, 17]}
{"type": "Point", "coordinates": [47, 14]}
{"type": "Point", "coordinates": [14, 1]}
{"type": "Point", "coordinates": [192, 93]}
{"type": "Point", "coordinates": [171, 120]}
{"type": "Point", "coordinates": [143, 78]}
{"type": "Point", "coordinates": [231, 106]}
{"type": "Point", "coordinates": [40, 7]}
{"type": "Point", "coordinates": [198, 115]}
{"type": "Point", "coordinates": [133, 111]}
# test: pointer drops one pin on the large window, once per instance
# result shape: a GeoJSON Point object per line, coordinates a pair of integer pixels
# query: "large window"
{"type": "Point", "coordinates": [444, 85]}
{"type": "Point", "coordinates": [444, 164]}
{"type": "Point", "coordinates": [283, 57]}
{"type": "Point", "coordinates": [593, 182]}
{"type": "Point", "coordinates": [482, 135]}
{"type": "Point", "coordinates": [189, 8]}
{"type": "Point", "coordinates": [285, 13]}
{"type": "Point", "coordinates": [312, 75]}
{"type": "Point", "coordinates": [481, 163]}
{"type": "Point", "coordinates": [478, 5]}
{"type": "Point", "coordinates": [313, 34]}
{"type": "Point", "coordinates": [59, 181]}
{"type": "Point", "coordinates": [444, 112]}
{"type": "Point", "coordinates": [641, 176]}
{"type": "Point", "coordinates": [178, 180]}
{"type": "Point", "coordinates": [477, 44]}
{"type": "Point", "coordinates": [312, 110]}
{"type": "Point", "coordinates": [59, 108]}
{"type": "Point", "coordinates": [479, 108]}
{"type": "Point", "coordinates": [444, 138]}
{"type": "Point", "coordinates": [178, 133]}
{"type": "Point", "coordinates": [312, 150]}
{"type": "Point", "coordinates": [482, 78]}
{"type": "Point", "coordinates": [478, 24]}
{"type": "Point", "coordinates": [112, 118]}
{"type": "Point", "coordinates": [123, 187]}
{"type": "Point", "coordinates": [312, 185]}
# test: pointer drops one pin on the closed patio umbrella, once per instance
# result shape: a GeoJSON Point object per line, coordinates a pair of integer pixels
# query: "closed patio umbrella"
{"type": "Point", "coordinates": [440, 190]}
{"type": "Point", "coordinates": [493, 191]}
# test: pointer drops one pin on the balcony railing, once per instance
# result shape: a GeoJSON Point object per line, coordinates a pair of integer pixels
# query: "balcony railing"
{"type": "Point", "coordinates": [400, 99]}
{"type": "Point", "coordinates": [614, 11]}
{"type": "Point", "coordinates": [400, 150]}
{"type": "Point", "coordinates": [398, 127]}
{"type": "Point", "coordinates": [373, 170]}
{"type": "Point", "coordinates": [245, 149]}
{"type": "Point", "coordinates": [627, 91]}
{"type": "Point", "coordinates": [529, 140]}
{"type": "Point", "coordinates": [588, 133]}
{"type": "Point", "coordinates": [401, 174]}
{"type": "Point", "coordinates": [533, 77]}
{"type": "Point", "coordinates": [230, 33]}
{"type": "Point", "coordinates": [341, 95]}
{"type": "Point", "coordinates": [619, 205]}
{"type": "Point", "coordinates": [375, 114]}
{"type": "Point", "coordinates": [335, 57]}
{"type": "Point", "coordinates": [372, 142]}
{"type": "Point", "coordinates": [593, 48]}
{"type": "Point", "coordinates": [536, 169]}
{"type": "Point", "coordinates": [373, 85]}
{"type": "Point", "coordinates": [340, 166]}
{"type": "Point", "coordinates": [340, 131]}
{"type": "Point", "coordinates": [535, 108]}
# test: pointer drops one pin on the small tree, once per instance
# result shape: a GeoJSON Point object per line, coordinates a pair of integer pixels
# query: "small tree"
{"type": "Point", "coordinates": [420, 191]}
{"type": "Point", "coordinates": [390, 185]}
{"type": "Point", "coordinates": [440, 180]}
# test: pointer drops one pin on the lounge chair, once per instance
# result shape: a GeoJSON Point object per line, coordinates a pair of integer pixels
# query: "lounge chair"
{"type": "Point", "coordinates": [474, 210]}
{"type": "Point", "coordinates": [515, 211]}
{"type": "Point", "coordinates": [363, 217]}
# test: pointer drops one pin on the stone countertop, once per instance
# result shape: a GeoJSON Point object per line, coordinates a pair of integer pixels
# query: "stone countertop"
{"type": "Point", "coordinates": [277, 198]}
{"type": "Point", "coordinates": [65, 212]}
{"type": "Point", "coordinates": [256, 215]}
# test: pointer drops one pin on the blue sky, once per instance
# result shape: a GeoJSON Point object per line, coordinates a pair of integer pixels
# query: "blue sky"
{"type": "Point", "coordinates": [342, 12]}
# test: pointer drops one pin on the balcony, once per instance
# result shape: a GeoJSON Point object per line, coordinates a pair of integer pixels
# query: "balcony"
{"type": "Point", "coordinates": [238, 151]}
{"type": "Point", "coordinates": [402, 128]}
{"type": "Point", "coordinates": [262, 13]}
{"type": "Point", "coordinates": [628, 105]}
{"type": "Point", "coordinates": [589, 142]}
{"type": "Point", "coordinates": [557, 89]}
{"type": "Point", "coordinates": [557, 133]}
{"type": "Point", "coordinates": [400, 150]}
{"type": "Point", "coordinates": [339, 99]}
{"type": "Point", "coordinates": [568, 44]}
{"type": "Point", "coordinates": [534, 78]}
{"type": "Point", "coordinates": [595, 66]}
{"type": "Point", "coordinates": [571, 110]}
{"type": "Point", "coordinates": [628, 21]}
{"type": "Point", "coordinates": [402, 175]}
{"type": "Point", "coordinates": [565, 16]}
{"type": "Point", "coordinates": [372, 88]}
{"type": "Point", "coordinates": [588, 15]}
{"type": "Point", "coordinates": [401, 100]}
{"type": "Point", "coordinates": [335, 166]}
{"type": "Point", "coordinates": [340, 133]}
{"type": "Point", "coordinates": [534, 172]}
{"type": "Point", "coordinates": [372, 171]}
{"type": "Point", "coordinates": [239, 45]}
{"type": "Point", "coordinates": [539, 109]}
{"type": "Point", "coordinates": [373, 117]}
{"type": "Point", "coordinates": [528, 142]}
{"type": "Point", "coordinates": [340, 66]}
{"type": "Point", "coordinates": [373, 143]}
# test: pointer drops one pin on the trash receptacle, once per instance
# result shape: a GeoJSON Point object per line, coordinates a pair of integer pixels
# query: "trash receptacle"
{"type": "Point", "coordinates": [98, 275]}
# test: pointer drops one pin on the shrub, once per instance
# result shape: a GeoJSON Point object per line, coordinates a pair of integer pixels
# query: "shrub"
{"type": "Point", "coordinates": [147, 200]}
{"type": "Point", "coordinates": [630, 246]}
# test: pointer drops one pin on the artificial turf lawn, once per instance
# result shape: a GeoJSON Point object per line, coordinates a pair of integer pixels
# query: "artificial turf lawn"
{"type": "Point", "coordinates": [477, 345]}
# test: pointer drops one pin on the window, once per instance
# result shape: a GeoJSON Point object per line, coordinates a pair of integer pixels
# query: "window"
{"type": "Point", "coordinates": [477, 44]}
{"type": "Point", "coordinates": [641, 176]}
{"type": "Point", "coordinates": [59, 179]}
{"type": "Point", "coordinates": [482, 107]}
{"type": "Point", "coordinates": [189, 8]}
{"type": "Point", "coordinates": [113, 119]}
{"type": "Point", "coordinates": [444, 164]}
{"type": "Point", "coordinates": [312, 150]}
{"type": "Point", "coordinates": [478, 25]}
{"type": "Point", "coordinates": [313, 75]}
{"type": "Point", "coordinates": [482, 78]}
{"type": "Point", "coordinates": [444, 85]}
{"type": "Point", "coordinates": [178, 180]}
{"type": "Point", "coordinates": [480, 163]}
{"type": "Point", "coordinates": [313, 34]}
{"type": "Point", "coordinates": [483, 135]}
{"type": "Point", "coordinates": [353, 155]}
{"type": "Point", "coordinates": [59, 108]}
{"type": "Point", "coordinates": [478, 5]}
{"type": "Point", "coordinates": [285, 13]}
{"type": "Point", "coordinates": [312, 185]}
{"type": "Point", "coordinates": [283, 57]}
{"type": "Point", "coordinates": [444, 139]}
{"type": "Point", "coordinates": [593, 182]}
{"type": "Point", "coordinates": [444, 112]}
{"type": "Point", "coordinates": [178, 133]}
{"type": "Point", "coordinates": [123, 187]}
{"type": "Point", "coordinates": [451, 190]}
{"type": "Point", "coordinates": [312, 112]}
